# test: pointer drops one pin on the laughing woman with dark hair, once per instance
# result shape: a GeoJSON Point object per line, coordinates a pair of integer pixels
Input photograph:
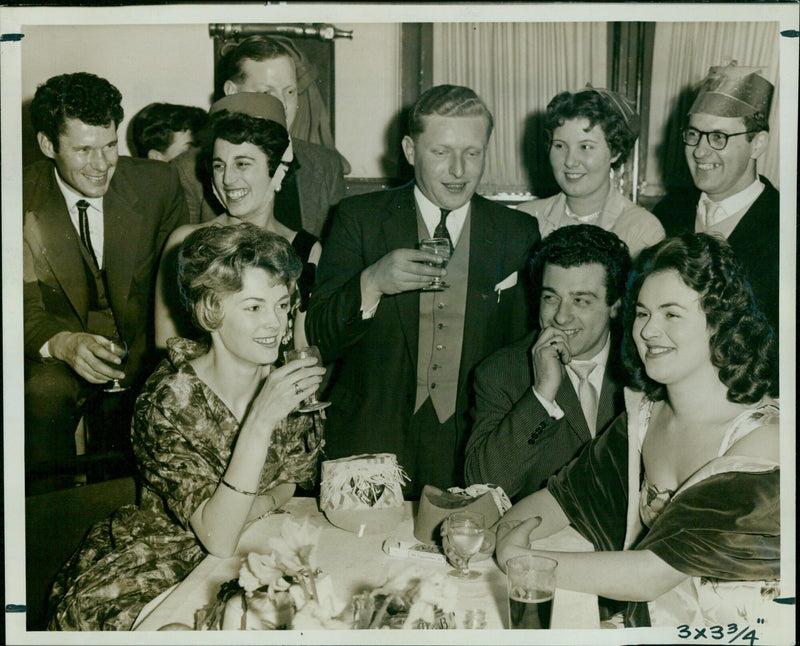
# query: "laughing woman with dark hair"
{"type": "Point", "coordinates": [680, 498]}
{"type": "Point", "coordinates": [247, 153]}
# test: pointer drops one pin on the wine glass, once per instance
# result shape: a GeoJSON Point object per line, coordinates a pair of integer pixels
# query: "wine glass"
{"type": "Point", "coordinates": [441, 247]}
{"type": "Point", "coordinates": [115, 386]}
{"type": "Point", "coordinates": [310, 403]}
{"type": "Point", "coordinates": [463, 533]}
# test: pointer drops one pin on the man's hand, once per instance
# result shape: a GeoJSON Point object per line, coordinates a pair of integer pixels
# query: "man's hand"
{"type": "Point", "coordinates": [398, 271]}
{"type": "Point", "coordinates": [90, 355]}
{"type": "Point", "coordinates": [550, 352]}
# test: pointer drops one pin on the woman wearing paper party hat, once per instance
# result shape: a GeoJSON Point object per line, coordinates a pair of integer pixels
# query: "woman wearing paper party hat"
{"type": "Point", "coordinates": [589, 135]}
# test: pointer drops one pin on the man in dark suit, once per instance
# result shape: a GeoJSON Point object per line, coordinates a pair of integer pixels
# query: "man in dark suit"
{"type": "Point", "coordinates": [534, 408]}
{"type": "Point", "coordinates": [405, 356]}
{"type": "Point", "coordinates": [727, 131]}
{"type": "Point", "coordinates": [315, 182]}
{"type": "Point", "coordinates": [94, 224]}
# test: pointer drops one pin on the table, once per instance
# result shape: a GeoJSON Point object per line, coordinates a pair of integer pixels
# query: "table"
{"type": "Point", "coordinates": [356, 562]}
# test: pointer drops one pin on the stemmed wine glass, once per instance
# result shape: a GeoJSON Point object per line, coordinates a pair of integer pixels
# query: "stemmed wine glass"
{"type": "Point", "coordinates": [115, 386]}
{"type": "Point", "coordinates": [441, 247]}
{"type": "Point", "coordinates": [463, 533]}
{"type": "Point", "coordinates": [310, 403]}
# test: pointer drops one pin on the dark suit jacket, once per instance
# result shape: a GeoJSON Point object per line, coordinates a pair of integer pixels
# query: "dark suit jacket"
{"type": "Point", "coordinates": [144, 203]}
{"type": "Point", "coordinates": [320, 184]}
{"type": "Point", "coordinates": [374, 391]}
{"type": "Point", "coordinates": [755, 240]}
{"type": "Point", "coordinates": [514, 442]}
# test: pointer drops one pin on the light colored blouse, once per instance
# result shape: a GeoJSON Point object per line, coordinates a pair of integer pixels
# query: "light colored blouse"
{"type": "Point", "coordinates": [635, 226]}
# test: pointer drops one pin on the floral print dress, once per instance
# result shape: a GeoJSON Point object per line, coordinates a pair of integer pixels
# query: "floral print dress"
{"type": "Point", "coordinates": [182, 435]}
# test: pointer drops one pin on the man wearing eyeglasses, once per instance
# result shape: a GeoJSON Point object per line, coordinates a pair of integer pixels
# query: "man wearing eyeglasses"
{"type": "Point", "coordinates": [727, 131]}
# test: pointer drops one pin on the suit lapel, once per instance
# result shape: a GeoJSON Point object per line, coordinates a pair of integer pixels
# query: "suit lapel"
{"type": "Point", "coordinates": [400, 231]}
{"type": "Point", "coordinates": [60, 244]}
{"type": "Point", "coordinates": [121, 232]}
{"type": "Point", "coordinates": [485, 263]}
{"type": "Point", "coordinates": [608, 404]}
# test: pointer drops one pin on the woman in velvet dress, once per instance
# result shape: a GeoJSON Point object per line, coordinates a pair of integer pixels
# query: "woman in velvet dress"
{"type": "Point", "coordinates": [248, 152]}
{"type": "Point", "coordinates": [680, 497]}
{"type": "Point", "coordinates": [215, 435]}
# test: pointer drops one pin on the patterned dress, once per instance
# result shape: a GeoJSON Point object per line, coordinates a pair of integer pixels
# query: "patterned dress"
{"type": "Point", "coordinates": [182, 436]}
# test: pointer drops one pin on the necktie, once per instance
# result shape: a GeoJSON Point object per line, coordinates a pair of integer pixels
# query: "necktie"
{"type": "Point", "coordinates": [586, 393]}
{"type": "Point", "coordinates": [710, 213]}
{"type": "Point", "coordinates": [441, 228]}
{"type": "Point", "coordinates": [83, 221]}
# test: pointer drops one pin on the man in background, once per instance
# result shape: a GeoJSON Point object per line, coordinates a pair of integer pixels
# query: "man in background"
{"type": "Point", "coordinates": [405, 356]}
{"type": "Point", "coordinates": [539, 401]}
{"type": "Point", "coordinates": [94, 224]}
{"type": "Point", "coordinates": [726, 133]}
{"type": "Point", "coordinates": [315, 182]}
{"type": "Point", "coordinates": [164, 130]}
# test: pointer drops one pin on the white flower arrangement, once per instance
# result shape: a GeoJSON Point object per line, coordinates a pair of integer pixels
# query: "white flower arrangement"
{"type": "Point", "coordinates": [280, 589]}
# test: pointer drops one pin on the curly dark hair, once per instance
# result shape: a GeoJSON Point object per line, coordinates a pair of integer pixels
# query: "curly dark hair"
{"type": "Point", "coordinates": [82, 96]}
{"type": "Point", "coordinates": [154, 126]}
{"type": "Point", "coordinates": [741, 342]}
{"type": "Point", "coordinates": [599, 111]}
{"type": "Point", "coordinates": [583, 244]}
{"type": "Point", "coordinates": [238, 128]}
{"type": "Point", "coordinates": [212, 260]}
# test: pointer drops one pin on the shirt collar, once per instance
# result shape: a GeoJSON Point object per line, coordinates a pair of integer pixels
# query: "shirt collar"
{"type": "Point", "coordinates": [740, 200]}
{"type": "Point", "coordinates": [431, 214]}
{"type": "Point", "coordinates": [71, 197]}
{"type": "Point", "coordinates": [601, 358]}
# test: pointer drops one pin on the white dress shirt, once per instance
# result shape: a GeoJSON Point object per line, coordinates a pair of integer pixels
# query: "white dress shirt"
{"type": "Point", "coordinates": [727, 213]}
{"type": "Point", "coordinates": [94, 213]}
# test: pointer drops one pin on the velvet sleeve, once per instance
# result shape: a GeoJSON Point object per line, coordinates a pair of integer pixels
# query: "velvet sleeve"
{"type": "Point", "coordinates": [592, 489]}
{"type": "Point", "coordinates": [726, 527]}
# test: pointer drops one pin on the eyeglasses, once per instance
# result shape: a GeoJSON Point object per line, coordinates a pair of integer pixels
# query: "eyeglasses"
{"type": "Point", "coordinates": [716, 139]}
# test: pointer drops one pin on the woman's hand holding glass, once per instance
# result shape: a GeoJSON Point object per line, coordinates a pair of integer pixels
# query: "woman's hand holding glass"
{"type": "Point", "coordinates": [310, 404]}
{"type": "Point", "coordinates": [283, 391]}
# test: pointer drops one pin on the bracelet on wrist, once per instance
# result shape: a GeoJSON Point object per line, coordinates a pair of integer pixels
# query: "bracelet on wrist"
{"type": "Point", "coordinates": [236, 489]}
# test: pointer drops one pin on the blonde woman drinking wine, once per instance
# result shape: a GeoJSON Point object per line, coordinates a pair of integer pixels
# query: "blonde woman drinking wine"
{"type": "Point", "coordinates": [680, 498]}
{"type": "Point", "coordinates": [217, 442]}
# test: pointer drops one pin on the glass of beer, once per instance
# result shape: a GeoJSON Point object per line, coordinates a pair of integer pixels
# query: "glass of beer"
{"type": "Point", "coordinates": [531, 586]}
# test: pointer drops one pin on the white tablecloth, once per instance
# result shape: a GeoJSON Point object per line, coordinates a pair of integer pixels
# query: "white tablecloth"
{"type": "Point", "coordinates": [355, 563]}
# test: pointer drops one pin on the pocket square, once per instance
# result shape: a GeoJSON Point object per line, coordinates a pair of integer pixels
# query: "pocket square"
{"type": "Point", "coordinates": [507, 282]}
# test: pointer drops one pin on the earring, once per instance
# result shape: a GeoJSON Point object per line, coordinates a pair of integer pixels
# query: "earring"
{"type": "Point", "coordinates": [617, 178]}
{"type": "Point", "coordinates": [289, 333]}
